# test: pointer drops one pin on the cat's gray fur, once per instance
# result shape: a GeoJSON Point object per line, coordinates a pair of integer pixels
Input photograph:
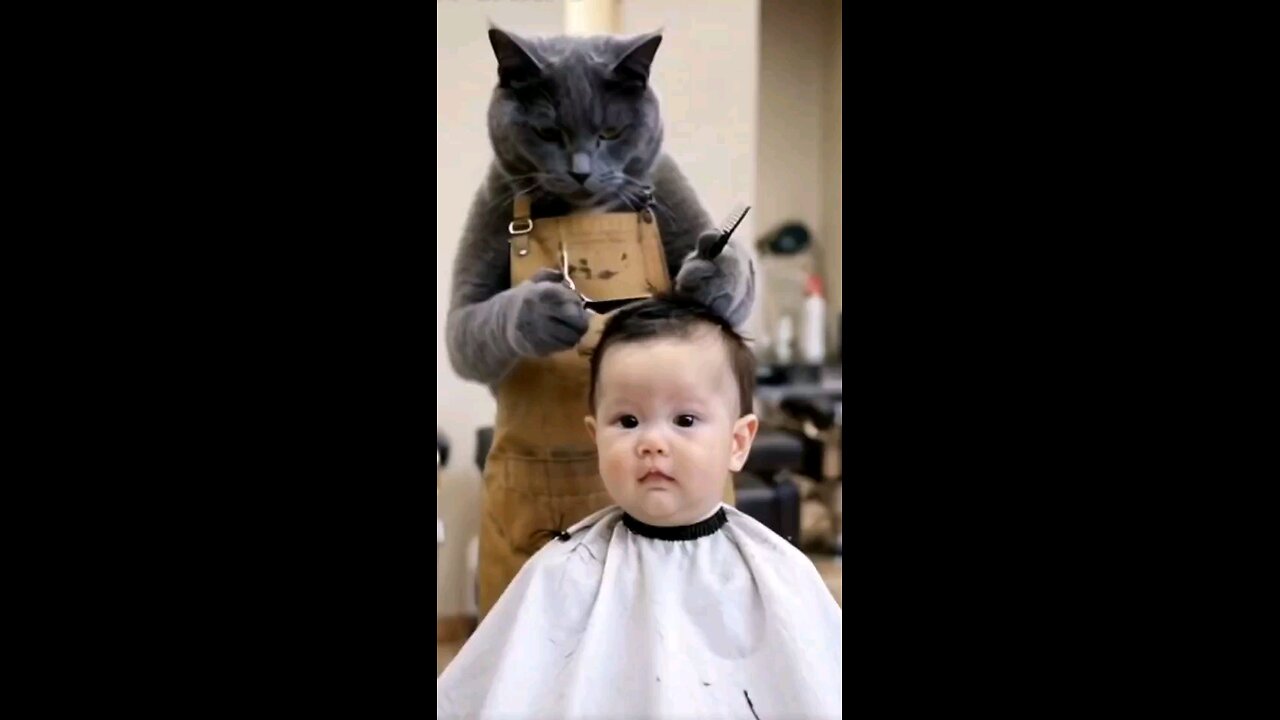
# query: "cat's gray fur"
{"type": "Point", "coordinates": [553, 123]}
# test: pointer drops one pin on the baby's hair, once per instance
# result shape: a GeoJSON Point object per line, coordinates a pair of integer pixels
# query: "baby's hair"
{"type": "Point", "coordinates": [676, 316]}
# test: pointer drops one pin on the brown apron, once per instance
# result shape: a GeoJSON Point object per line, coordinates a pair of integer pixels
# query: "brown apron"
{"type": "Point", "coordinates": [542, 473]}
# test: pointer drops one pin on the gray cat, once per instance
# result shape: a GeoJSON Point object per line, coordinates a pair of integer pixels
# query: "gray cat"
{"type": "Point", "coordinates": [575, 125]}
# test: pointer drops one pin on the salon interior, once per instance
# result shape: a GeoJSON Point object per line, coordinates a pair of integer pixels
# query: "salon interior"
{"type": "Point", "coordinates": [751, 96]}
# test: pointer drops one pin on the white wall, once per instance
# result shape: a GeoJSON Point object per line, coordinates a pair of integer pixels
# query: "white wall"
{"type": "Point", "coordinates": [465, 76]}
{"type": "Point", "coordinates": [833, 169]}
{"type": "Point", "coordinates": [705, 75]}
{"type": "Point", "coordinates": [791, 45]}
{"type": "Point", "coordinates": [800, 138]}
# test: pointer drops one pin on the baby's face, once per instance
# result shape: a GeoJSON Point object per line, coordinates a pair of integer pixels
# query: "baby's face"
{"type": "Point", "coordinates": [667, 428]}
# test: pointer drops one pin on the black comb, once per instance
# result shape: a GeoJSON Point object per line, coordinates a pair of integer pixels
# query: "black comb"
{"type": "Point", "coordinates": [713, 250]}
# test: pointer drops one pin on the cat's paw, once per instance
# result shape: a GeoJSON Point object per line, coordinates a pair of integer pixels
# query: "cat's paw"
{"type": "Point", "coordinates": [726, 283]}
{"type": "Point", "coordinates": [548, 317]}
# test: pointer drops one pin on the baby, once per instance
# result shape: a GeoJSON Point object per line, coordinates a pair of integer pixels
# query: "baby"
{"type": "Point", "coordinates": [669, 604]}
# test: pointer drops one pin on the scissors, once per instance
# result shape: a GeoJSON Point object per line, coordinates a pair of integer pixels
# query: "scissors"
{"type": "Point", "coordinates": [601, 307]}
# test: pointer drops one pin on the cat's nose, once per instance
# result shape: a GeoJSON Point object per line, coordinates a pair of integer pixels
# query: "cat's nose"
{"type": "Point", "coordinates": [580, 177]}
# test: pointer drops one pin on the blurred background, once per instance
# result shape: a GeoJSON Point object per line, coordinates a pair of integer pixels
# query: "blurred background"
{"type": "Point", "coordinates": [751, 95]}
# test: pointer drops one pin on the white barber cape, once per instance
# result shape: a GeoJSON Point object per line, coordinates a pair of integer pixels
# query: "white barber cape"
{"type": "Point", "coordinates": [606, 622]}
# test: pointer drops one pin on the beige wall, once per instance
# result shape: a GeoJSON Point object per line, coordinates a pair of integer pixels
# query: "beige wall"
{"type": "Point", "coordinates": [833, 169]}
{"type": "Point", "coordinates": [799, 147]}
{"type": "Point", "coordinates": [790, 127]}
{"type": "Point", "coordinates": [465, 76]}
{"type": "Point", "coordinates": [592, 17]}
{"type": "Point", "coordinates": [706, 77]}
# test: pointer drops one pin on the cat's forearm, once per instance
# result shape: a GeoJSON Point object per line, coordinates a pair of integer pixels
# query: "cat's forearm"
{"type": "Point", "coordinates": [681, 217]}
{"type": "Point", "coordinates": [476, 331]}
{"type": "Point", "coordinates": [479, 345]}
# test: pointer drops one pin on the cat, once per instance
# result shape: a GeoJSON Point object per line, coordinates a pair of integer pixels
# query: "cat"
{"type": "Point", "coordinates": [573, 123]}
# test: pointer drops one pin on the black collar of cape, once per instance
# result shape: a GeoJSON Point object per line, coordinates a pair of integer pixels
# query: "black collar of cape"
{"type": "Point", "coordinates": [683, 532]}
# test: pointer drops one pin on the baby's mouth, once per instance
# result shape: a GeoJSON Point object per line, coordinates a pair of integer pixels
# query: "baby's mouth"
{"type": "Point", "coordinates": [656, 476]}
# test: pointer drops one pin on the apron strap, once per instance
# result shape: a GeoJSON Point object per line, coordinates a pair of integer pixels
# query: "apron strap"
{"type": "Point", "coordinates": [521, 225]}
{"type": "Point", "coordinates": [521, 207]}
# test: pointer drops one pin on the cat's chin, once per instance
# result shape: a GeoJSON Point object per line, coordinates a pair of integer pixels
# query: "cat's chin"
{"type": "Point", "coordinates": [584, 200]}
{"type": "Point", "coordinates": [599, 206]}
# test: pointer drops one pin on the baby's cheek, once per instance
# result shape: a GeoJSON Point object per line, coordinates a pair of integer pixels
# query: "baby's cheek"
{"type": "Point", "coordinates": [616, 463]}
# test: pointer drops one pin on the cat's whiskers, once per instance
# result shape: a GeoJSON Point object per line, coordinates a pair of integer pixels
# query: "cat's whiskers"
{"type": "Point", "coordinates": [536, 176]}
{"type": "Point", "coordinates": [660, 206]}
{"type": "Point", "coordinates": [602, 201]}
{"type": "Point", "coordinates": [628, 203]}
{"type": "Point", "coordinates": [508, 195]}
{"type": "Point", "coordinates": [634, 200]}
{"type": "Point", "coordinates": [502, 198]}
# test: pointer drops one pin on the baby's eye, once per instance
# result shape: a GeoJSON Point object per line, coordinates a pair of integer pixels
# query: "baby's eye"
{"type": "Point", "coordinates": [685, 421]}
{"type": "Point", "coordinates": [629, 421]}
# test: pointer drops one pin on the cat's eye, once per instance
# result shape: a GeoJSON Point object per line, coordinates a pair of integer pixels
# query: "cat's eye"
{"type": "Point", "coordinates": [629, 422]}
{"type": "Point", "coordinates": [611, 133]}
{"type": "Point", "coordinates": [685, 421]}
{"type": "Point", "coordinates": [549, 134]}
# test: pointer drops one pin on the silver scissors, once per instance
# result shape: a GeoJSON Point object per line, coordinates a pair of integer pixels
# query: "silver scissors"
{"type": "Point", "coordinates": [597, 306]}
{"type": "Point", "coordinates": [564, 272]}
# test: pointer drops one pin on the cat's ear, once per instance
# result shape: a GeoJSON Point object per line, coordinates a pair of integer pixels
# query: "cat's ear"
{"type": "Point", "coordinates": [632, 70]}
{"type": "Point", "coordinates": [516, 64]}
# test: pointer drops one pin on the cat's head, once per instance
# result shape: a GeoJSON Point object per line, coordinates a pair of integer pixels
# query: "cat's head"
{"type": "Point", "coordinates": [575, 117]}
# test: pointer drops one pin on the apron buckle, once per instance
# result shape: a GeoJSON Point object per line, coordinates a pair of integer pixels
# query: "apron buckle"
{"type": "Point", "coordinates": [522, 225]}
{"type": "Point", "coordinates": [520, 230]}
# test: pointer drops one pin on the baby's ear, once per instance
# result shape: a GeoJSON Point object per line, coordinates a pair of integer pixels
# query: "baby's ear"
{"type": "Point", "coordinates": [744, 433]}
{"type": "Point", "coordinates": [590, 422]}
